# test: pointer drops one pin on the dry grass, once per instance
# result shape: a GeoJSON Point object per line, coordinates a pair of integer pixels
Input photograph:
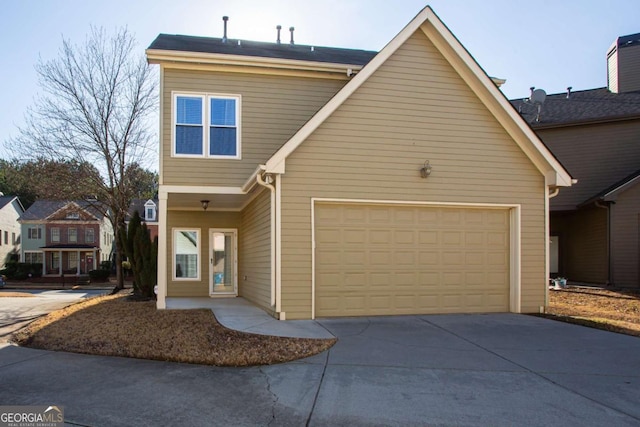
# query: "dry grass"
{"type": "Point", "coordinates": [617, 311]}
{"type": "Point", "coordinates": [15, 294]}
{"type": "Point", "coordinates": [114, 326]}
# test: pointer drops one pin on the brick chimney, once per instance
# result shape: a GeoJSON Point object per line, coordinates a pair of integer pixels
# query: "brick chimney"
{"type": "Point", "coordinates": [623, 64]}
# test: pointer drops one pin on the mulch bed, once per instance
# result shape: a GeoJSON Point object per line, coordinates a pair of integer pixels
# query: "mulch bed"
{"type": "Point", "coordinates": [612, 310]}
{"type": "Point", "coordinates": [115, 326]}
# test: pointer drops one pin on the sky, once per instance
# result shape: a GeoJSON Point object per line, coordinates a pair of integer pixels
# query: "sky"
{"type": "Point", "coordinates": [549, 44]}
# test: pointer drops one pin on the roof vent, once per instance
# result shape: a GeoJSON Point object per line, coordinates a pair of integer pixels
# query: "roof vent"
{"type": "Point", "coordinates": [291, 29]}
{"type": "Point", "coordinates": [224, 37]}
{"type": "Point", "coordinates": [278, 27]}
{"type": "Point", "coordinates": [569, 92]}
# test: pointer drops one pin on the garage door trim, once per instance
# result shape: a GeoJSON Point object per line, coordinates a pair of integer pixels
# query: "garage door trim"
{"type": "Point", "coordinates": [514, 236]}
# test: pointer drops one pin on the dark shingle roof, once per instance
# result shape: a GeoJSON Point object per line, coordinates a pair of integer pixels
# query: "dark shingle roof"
{"type": "Point", "coordinates": [41, 209]}
{"type": "Point", "coordinates": [262, 49]}
{"type": "Point", "coordinates": [138, 205]}
{"type": "Point", "coordinates": [581, 106]}
{"type": "Point", "coordinates": [5, 200]}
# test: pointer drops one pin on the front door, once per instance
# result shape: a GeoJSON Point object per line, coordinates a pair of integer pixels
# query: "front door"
{"type": "Point", "coordinates": [223, 262]}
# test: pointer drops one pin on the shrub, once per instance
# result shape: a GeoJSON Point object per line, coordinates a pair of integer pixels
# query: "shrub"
{"type": "Point", "coordinates": [99, 275]}
{"type": "Point", "coordinates": [105, 265]}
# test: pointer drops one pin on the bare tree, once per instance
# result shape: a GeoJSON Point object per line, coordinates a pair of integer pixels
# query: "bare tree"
{"type": "Point", "coordinates": [96, 105]}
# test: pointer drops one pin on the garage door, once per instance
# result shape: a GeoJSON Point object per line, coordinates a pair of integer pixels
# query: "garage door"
{"type": "Point", "coordinates": [382, 259]}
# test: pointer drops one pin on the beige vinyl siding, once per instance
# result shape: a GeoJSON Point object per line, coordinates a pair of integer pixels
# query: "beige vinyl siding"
{"type": "Point", "coordinates": [597, 155]}
{"type": "Point", "coordinates": [629, 68]}
{"type": "Point", "coordinates": [273, 108]}
{"type": "Point", "coordinates": [625, 220]}
{"type": "Point", "coordinates": [583, 244]}
{"type": "Point", "coordinates": [255, 251]}
{"type": "Point", "coordinates": [414, 108]}
{"type": "Point", "coordinates": [195, 220]}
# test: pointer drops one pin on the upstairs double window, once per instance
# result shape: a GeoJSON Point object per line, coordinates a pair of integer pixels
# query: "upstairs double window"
{"type": "Point", "coordinates": [206, 126]}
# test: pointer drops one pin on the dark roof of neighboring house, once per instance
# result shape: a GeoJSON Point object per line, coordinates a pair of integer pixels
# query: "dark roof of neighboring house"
{"type": "Point", "coordinates": [5, 200]}
{"type": "Point", "coordinates": [593, 105]}
{"type": "Point", "coordinates": [262, 49]}
{"type": "Point", "coordinates": [138, 205]}
{"type": "Point", "coordinates": [602, 195]}
{"type": "Point", "coordinates": [41, 209]}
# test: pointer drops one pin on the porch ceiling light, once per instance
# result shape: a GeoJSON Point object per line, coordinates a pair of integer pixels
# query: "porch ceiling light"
{"type": "Point", "coordinates": [425, 170]}
{"type": "Point", "coordinates": [205, 204]}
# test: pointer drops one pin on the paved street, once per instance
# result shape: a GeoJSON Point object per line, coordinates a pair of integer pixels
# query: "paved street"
{"type": "Point", "coordinates": [15, 312]}
{"type": "Point", "coordinates": [447, 370]}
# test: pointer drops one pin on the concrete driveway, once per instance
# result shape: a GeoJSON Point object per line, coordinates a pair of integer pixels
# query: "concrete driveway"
{"type": "Point", "coordinates": [16, 312]}
{"type": "Point", "coordinates": [447, 370]}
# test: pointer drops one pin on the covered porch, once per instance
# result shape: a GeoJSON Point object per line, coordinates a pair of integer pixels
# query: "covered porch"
{"type": "Point", "coordinates": [69, 260]}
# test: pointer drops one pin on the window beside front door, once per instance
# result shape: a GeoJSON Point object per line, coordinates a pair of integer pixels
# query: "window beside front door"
{"type": "Point", "coordinates": [186, 249]}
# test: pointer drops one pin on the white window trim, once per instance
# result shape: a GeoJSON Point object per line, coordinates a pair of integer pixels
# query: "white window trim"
{"type": "Point", "coordinates": [206, 97]}
{"type": "Point", "coordinates": [58, 239]}
{"type": "Point", "coordinates": [198, 232]}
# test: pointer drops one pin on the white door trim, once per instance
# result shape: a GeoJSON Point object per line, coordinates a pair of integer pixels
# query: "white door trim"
{"type": "Point", "coordinates": [514, 233]}
{"type": "Point", "coordinates": [234, 293]}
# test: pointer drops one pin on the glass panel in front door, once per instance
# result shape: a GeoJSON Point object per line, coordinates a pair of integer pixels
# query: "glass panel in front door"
{"type": "Point", "coordinates": [223, 268]}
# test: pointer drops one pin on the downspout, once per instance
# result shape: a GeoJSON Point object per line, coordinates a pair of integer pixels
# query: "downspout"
{"type": "Point", "coordinates": [607, 206]}
{"type": "Point", "coordinates": [547, 227]}
{"type": "Point", "coordinates": [260, 180]}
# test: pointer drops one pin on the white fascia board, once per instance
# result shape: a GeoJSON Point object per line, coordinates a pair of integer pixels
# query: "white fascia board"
{"type": "Point", "coordinates": [184, 189]}
{"type": "Point", "coordinates": [157, 56]}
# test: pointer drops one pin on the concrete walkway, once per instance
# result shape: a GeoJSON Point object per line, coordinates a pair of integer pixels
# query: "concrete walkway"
{"type": "Point", "coordinates": [447, 370]}
{"type": "Point", "coordinates": [242, 315]}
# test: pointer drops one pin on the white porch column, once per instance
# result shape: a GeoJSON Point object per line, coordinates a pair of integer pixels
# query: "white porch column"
{"type": "Point", "coordinates": [78, 263]}
{"type": "Point", "coordinates": [44, 263]}
{"type": "Point", "coordinates": [95, 261]}
{"type": "Point", "coordinates": [162, 249]}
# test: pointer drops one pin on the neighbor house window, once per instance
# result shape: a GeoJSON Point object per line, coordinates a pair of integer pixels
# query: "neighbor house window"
{"type": "Point", "coordinates": [6, 237]}
{"type": "Point", "coordinates": [13, 238]}
{"type": "Point", "coordinates": [207, 126]}
{"type": "Point", "coordinates": [73, 261]}
{"type": "Point", "coordinates": [55, 260]}
{"type": "Point", "coordinates": [186, 249]}
{"type": "Point", "coordinates": [89, 236]}
{"type": "Point", "coordinates": [55, 234]}
{"type": "Point", "coordinates": [33, 257]}
{"type": "Point", "coordinates": [72, 235]}
{"type": "Point", "coordinates": [34, 233]}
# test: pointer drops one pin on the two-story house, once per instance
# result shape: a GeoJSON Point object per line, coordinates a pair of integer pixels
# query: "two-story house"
{"type": "Point", "coordinates": [317, 181]}
{"type": "Point", "coordinates": [10, 211]}
{"type": "Point", "coordinates": [595, 133]}
{"type": "Point", "coordinates": [67, 237]}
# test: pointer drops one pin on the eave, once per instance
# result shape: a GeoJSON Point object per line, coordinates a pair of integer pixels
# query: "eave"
{"type": "Point", "coordinates": [181, 59]}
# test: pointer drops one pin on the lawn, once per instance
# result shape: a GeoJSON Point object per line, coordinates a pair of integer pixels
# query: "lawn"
{"type": "Point", "coordinates": [617, 311]}
{"type": "Point", "coordinates": [114, 326]}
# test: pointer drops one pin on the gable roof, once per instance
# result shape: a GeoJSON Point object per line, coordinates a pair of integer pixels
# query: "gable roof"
{"type": "Point", "coordinates": [5, 200]}
{"type": "Point", "coordinates": [261, 49]}
{"type": "Point", "coordinates": [473, 75]}
{"type": "Point", "coordinates": [585, 106]}
{"type": "Point", "coordinates": [41, 210]}
{"type": "Point", "coordinates": [610, 193]}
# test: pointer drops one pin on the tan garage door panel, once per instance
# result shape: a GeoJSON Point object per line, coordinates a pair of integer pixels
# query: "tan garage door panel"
{"type": "Point", "coordinates": [381, 259]}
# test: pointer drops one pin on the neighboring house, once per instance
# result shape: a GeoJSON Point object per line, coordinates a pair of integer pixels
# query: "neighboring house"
{"type": "Point", "coordinates": [596, 135]}
{"type": "Point", "coordinates": [67, 237]}
{"type": "Point", "coordinates": [319, 181]}
{"type": "Point", "coordinates": [10, 211]}
{"type": "Point", "coordinates": [148, 211]}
